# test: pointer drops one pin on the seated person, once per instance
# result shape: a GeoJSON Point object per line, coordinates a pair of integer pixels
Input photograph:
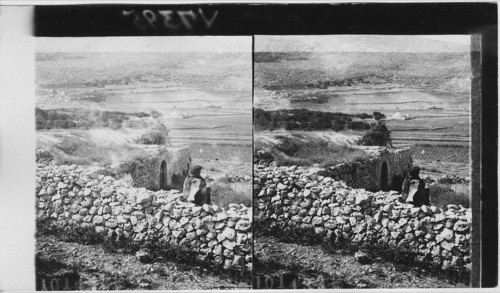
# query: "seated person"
{"type": "Point", "coordinates": [195, 188]}
{"type": "Point", "coordinates": [414, 190]}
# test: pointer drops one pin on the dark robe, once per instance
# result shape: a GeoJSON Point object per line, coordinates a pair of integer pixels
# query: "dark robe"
{"type": "Point", "coordinates": [415, 191]}
{"type": "Point", "coordinates": [195, 190]}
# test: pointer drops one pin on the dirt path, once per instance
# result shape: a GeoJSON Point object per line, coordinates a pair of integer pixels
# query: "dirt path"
{"type": "Point", "coordinates": [101, 270]}
{"type": "Point", "coordinates": [315, 268]}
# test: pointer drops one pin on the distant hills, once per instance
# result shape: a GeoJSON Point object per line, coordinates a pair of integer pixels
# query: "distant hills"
{"type": "Point", "coordinates": [194, 69]}
{"type": "Point", "coordinates": [366, 61]}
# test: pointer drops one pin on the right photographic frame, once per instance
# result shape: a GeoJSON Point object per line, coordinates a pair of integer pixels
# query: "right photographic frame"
{"type": "Point", "coordinates": [363, 151]}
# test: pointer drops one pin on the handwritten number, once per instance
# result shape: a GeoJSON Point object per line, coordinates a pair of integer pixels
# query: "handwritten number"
{"type": "Point", "coordinates": [184, 18]}
{"type": "Point", "coordinates": [66, 284]}
{"type": "Point", "coordinates": [208, 22]}
{"type": "Point", "coordinates": [54, 284]}
{"type": "Point", "coordinates": [169, 23]}
{"type": "Point", "coordinates": [150, 16]}
{"type": "Point", "coordinates": [44, 286]}
{"type": "Point", "coordinates": [267, 280]}
{"type": "Point", "coordinates": [257, 284]}
{"type": "Point", "coordinates": [281, 282]}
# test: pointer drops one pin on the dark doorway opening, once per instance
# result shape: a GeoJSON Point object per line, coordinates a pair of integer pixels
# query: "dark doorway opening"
{"type": "Point", "coordinates": [163, 175]}
{"type": "Point", "coordinates": [384, 177]}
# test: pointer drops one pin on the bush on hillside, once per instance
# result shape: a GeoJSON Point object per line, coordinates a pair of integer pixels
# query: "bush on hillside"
{"type": "Point", "coordinates": [378, 135]}
{"type": "Point", "coordinates": [157, 134]}
{"type": "Point", "coordinates": [155, 114]}
{"type": "Point", "coordinates": [378, 115]}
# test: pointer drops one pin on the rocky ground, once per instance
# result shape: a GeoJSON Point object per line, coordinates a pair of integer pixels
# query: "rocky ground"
{"type": "Point", "coordinates": [312, 267]}
{"type": "Point", "coordinates": [99, 269]}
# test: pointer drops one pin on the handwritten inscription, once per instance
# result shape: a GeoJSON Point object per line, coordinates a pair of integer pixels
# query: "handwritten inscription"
{"type": "Point", "coordinates": [279, 281]}
{"type": "Point", "coordinates": [171, 20]}
{"type": "Point", "coordinates": [58, 284]}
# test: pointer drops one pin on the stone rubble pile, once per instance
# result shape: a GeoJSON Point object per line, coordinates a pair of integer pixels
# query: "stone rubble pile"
{"type": "Point", "coordinates": [288, 196]}
{"type": "Point", "coordinates": [232, 178]}
{"type": "Point", "coordinates": [446, 178]}
{"type": "Point", "coordinates": [77, 196]}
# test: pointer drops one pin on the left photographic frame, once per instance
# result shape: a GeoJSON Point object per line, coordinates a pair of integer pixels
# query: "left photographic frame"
{"type": "Point", "coordinates": [143, 151]}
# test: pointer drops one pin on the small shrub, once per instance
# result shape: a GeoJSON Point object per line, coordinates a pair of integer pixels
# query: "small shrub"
{"type": "Point", "coordinates": [157, 134]}
{"type": "Point", "coordinates": [155, 114]}
{"type": "Point", "coordinates": [378, 135]}
{"type": "Point", "coordinates": [378, 115]}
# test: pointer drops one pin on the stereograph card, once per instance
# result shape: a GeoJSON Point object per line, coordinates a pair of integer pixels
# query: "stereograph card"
{"type": "Point", "coordinates": [206, 146]}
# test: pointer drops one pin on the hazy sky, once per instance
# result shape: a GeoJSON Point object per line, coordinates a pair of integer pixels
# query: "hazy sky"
{"type": "Point", "coordinates": [146, 44]}
{"type": "Point", "coordinates": [462, 39]}
{"type": "Point", "coordinates": [363, 43]}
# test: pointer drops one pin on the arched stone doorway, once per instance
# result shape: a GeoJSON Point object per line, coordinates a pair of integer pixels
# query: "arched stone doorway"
{"type": "Point", "coordinates": [384, 177]}
{"type": "Point", "coordinates": [163, 175]}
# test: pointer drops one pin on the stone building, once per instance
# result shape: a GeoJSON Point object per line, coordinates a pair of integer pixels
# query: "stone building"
{"type": "Point", "coordinates": [163, 168]}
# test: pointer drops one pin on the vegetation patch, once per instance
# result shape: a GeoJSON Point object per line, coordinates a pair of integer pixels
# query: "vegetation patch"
{"type": "Point", "coordinates": [82, 151]}
{"type": "Point", "coordinates": [157, 135]}
{"type": "Point", "coordinates": [78, 118]}
{"type": "Point", "coordinates": [224, 193]}
{"type": "Point", "coordinates": [442, 195]}
{"type": "Point", "coordinates": [378, 135]}
{"type": "Point", "coordinates": [296, 151]}
{"type": "Point", "coordinates": [303, 119]}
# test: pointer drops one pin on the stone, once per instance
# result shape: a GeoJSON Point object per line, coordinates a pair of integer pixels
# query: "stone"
{"type": "Point", "coordinates": [456, 262]}
{"type": "Point", "coordinates": [228, 244]}
{"type": "Point", "coordinates": [144, 255]}
{"type": "Point", "coordinates": [447, 234]}
{"type": "Point", "coordinates": [51, 190]}
{"type": "Point", "coordinates": [387, 208]}
{"type": "Point", "coordinates": [106, 210]}
{"type": "Point", "coordinates": [439, 217]}
{"type": "Point", "coordinates": [106, 192]}
{"type": "Point", "coordinates": [83, 212]}
{"type": "Point", "coordinates": [362, 199]}
{"type": "Point", "coordinates": [143, 198]}
{"type": "Point", "coordinates": [243, 226]}
{"type": "Point", "coordinates": [61, 185]}
{"type": "Point", "coordinates": [461, 227]}
{"type": "Point", "coordinates": [229, 233]}
{"type": "Point", "coordinates": [362, 257]}
{"type": "Point", "coordinates": [446, 245]}
{"type": "Point", "coordinates": [385, 221]}
{"type": "Point", "coordinates": [111, 223]}
{"type": "Point", "coordinates": [87, 202]}
{"type": "Point", "coordinates": [414, 211]}
{"type": "Point", "coordinates": [317, 221]}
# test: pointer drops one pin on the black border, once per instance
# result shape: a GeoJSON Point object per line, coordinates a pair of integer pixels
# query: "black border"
{"type": "Point", "coordinates": [298, 19]}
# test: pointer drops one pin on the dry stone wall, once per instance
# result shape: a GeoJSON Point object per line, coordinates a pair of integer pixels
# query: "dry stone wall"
{"type": "Point", "coordinates": [78, 196]}
{"type": "Point", "coordinates": [293, 198]}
